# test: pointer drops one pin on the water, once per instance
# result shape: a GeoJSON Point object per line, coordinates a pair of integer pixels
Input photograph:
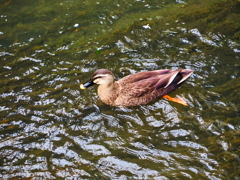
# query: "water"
{"type": "Point", "coordinates": [49, 128]}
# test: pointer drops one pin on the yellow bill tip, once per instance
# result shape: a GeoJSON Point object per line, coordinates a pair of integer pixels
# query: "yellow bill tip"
{"type": "Point", "coordinates": [82, 87]}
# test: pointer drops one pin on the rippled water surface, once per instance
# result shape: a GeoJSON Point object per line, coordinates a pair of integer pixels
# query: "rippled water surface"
{"type": "Point", "coordinates": [51, 129]}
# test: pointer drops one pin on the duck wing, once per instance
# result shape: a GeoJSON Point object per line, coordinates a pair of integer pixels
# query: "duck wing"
{"type": "Point", "coordinates": [157, 83]}
{"type": "Point", "coordinates": [132, 78]}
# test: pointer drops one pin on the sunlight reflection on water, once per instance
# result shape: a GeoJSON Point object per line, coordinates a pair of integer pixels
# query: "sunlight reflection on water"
{"type": "Point", "coordinates": [50, 128]}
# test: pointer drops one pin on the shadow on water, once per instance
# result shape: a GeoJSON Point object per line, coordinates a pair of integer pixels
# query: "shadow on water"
{"type": "Point", "coordinates": [49, 128]}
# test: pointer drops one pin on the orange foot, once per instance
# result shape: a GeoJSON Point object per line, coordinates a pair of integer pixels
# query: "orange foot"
{"type": "Point", "coordinates": [177, 100]}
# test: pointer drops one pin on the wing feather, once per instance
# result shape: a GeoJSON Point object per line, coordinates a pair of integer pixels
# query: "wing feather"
{"type": "Point", "coordinates": [144, 75]}
{"type": "Point", "coordinates": [143, 83]}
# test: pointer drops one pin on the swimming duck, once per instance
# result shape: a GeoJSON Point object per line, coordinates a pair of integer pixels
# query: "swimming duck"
{"type": "Point", "coordinates": [138, 89]}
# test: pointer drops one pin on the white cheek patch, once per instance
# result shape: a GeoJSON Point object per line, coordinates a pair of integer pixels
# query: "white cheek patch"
{"type": "Point", "coordinates": [101, 78]}
{"type": "Point", "coordinates": [97, 78]}
{"type": "Point", "coordinates": [95, 81]}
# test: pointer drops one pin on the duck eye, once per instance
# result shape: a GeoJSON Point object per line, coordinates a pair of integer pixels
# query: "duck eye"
{"type": "Point", "coordinates": [99, 76]}
{"type": "Point", "coordinates": [95, 78]}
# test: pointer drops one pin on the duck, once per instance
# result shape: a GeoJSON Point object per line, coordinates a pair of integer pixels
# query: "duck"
{"type": "Point", "coordinates": [138, 89]}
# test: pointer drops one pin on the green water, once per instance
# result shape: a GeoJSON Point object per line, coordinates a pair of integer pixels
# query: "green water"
{"type": "Point", "coordinates": [50, 129]}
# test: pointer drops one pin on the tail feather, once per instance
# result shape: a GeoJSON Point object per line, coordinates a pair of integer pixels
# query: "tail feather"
{"type": "Point", "coordinates": [185, 73]}
{"type": "Point", "coordinates": [166, 79]}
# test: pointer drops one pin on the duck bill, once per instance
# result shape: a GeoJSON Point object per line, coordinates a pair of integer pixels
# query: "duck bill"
{"type": "Point", "coordinates": [87, 84]}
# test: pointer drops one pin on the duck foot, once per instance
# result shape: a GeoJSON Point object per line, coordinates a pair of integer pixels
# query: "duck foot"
{"type": "Point", "coordinates": [177, 100]}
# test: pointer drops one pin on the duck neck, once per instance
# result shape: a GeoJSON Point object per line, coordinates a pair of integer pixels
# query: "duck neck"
{"type": "Point", "coordinates": [103, 88]}
{"type": "Point", "coordinates": [107, 93]}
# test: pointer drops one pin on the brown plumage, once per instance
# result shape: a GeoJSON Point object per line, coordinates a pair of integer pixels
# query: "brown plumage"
{"type": "Point", "coordinates": [136, 89]}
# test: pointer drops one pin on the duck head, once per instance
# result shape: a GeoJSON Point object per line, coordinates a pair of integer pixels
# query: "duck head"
{"type": "Point", "coordinates": [101, 76]}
